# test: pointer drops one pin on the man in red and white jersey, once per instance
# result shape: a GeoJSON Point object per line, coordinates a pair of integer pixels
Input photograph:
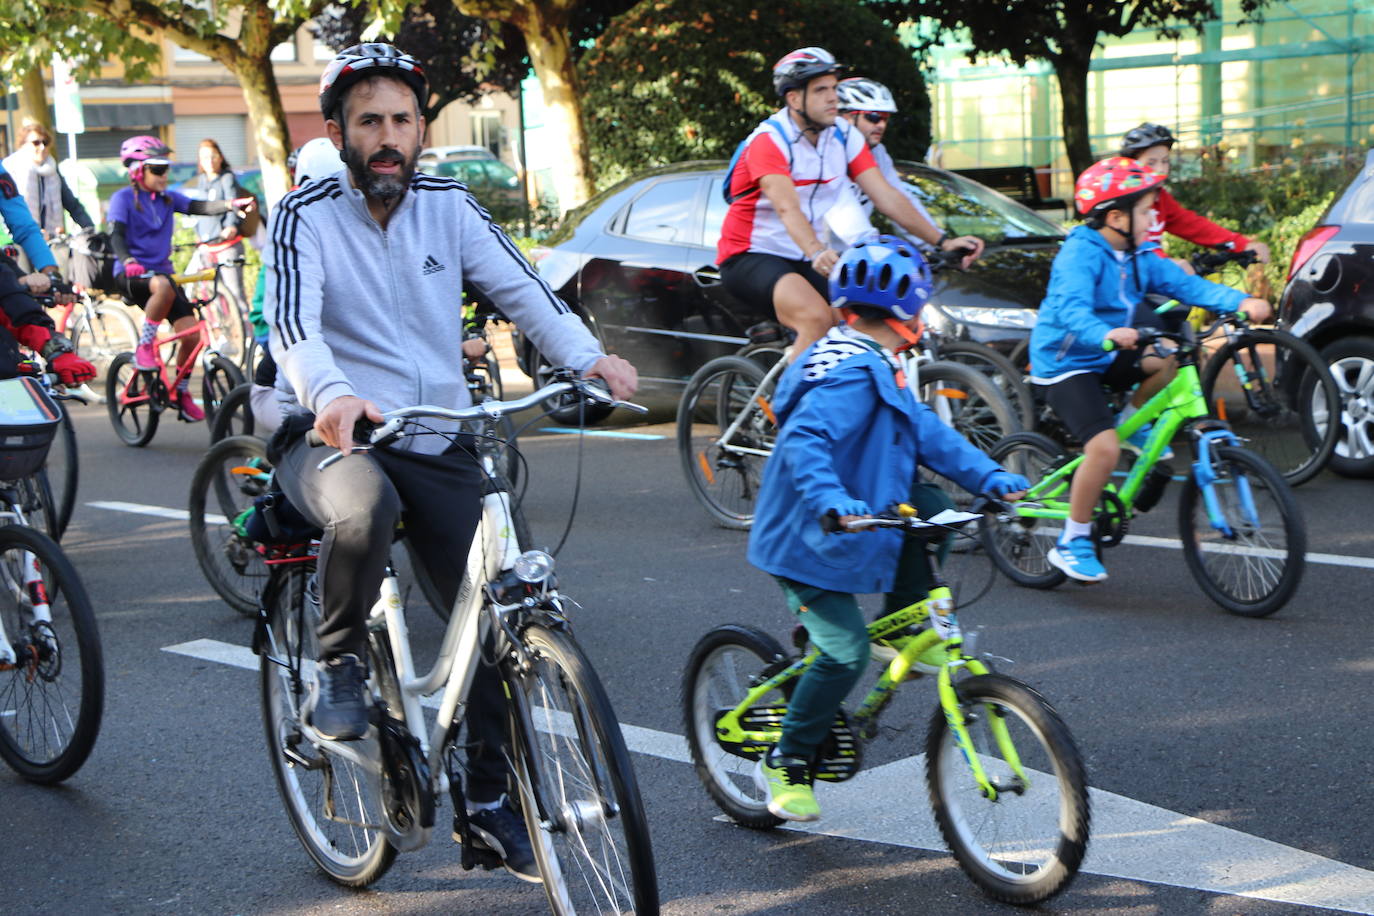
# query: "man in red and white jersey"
{"type": "Point", "coordinates": [790, 171]}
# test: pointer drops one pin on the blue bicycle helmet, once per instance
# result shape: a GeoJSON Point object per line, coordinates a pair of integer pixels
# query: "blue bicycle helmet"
{"type": "Point", "coordinates": [886, 273]}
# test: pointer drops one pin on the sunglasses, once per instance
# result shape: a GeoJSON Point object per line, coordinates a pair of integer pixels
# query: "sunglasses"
{"type": "Point", "coordinates": [159, 169]}
{"type": "Point", "coordinates": [875, 117]}
{"type": "Point", "coordinates": [38, 143]}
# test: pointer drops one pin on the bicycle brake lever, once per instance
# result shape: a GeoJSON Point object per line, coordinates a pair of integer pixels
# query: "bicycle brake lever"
{"type": "Point", "coordinates": [339, 456]}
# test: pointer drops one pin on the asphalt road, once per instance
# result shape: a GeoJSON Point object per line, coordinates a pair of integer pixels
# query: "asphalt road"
{"type": "Point", "coordinates": [1229, 756]}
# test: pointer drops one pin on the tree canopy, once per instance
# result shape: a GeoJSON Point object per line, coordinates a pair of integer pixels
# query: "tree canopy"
{"type": "Point", "coordinates": [1064, 33]}
{"type": "Point", "coordinates": [673, 80]}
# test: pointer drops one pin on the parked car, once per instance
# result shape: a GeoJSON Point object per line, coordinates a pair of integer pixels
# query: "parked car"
{"type": "Point", "coordinates": [1329, 300]}
{"type": "Point", "coordinates": [637, 262]}
{"type": "Point", "coordinates": [433, 154]}
{"type": "Point", "coordinates": [495, 184]}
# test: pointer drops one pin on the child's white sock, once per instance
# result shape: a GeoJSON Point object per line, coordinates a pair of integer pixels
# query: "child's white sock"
{"type": "Point", "coordinates": [1073, 529]}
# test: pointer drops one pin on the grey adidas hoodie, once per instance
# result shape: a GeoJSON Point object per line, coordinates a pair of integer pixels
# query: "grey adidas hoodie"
{"type": "Point", "coordinates": [355, 309]}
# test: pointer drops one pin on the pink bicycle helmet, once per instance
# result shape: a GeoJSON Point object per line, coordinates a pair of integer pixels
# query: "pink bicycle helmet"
{"type": "Point", "coordinates": [135, 152]}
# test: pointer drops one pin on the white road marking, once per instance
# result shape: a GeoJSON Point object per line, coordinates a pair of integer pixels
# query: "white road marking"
{"type": "Point", "coordinates": [1130, 839]}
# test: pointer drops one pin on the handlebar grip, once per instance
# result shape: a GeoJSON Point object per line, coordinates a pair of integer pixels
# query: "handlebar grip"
{"type": "Point", "coordinates": [830, 522]}
{"type": "Point", "coordinates": [1108, 344]}
{"type": "Point", "coordinates": [362, 434]}
{"type": "Point", "coordinates": [312, 438]}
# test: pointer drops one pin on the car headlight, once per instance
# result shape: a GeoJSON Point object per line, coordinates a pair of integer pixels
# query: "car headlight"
{"type": "Point", "coordinates": [995, 317]}
{"type": "Point", "coordinates": [533, 566]}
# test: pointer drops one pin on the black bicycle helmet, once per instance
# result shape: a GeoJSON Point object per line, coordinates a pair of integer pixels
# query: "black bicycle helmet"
{"type": "Point", "coordinates": [800, 67]}
{"type": "Point", "coordinates": [1139, 139]}
{"type": "Point", "coordinates": [360, 61]}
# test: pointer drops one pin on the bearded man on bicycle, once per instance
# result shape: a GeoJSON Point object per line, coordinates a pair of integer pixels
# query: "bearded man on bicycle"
{"type": "Point", "coordinates": [789, 172]}
{"type": "Point", "coordinates": [365, 270]}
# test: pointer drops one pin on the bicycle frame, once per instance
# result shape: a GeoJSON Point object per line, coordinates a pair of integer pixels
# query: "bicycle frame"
{"type": "Point", "coordinates": [184, 370]}
{"type": "Point", "coordinates": [32, 583]}
{"type": "Point", "coordinates": [945, 633]}
{"type": "Point", "coordinates": [759, 400]}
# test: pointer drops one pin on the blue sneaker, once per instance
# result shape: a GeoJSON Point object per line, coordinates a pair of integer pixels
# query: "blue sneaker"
{"type": "Point", "coordinates": [1078, 560]}
{"type": "Point", "coordinates": [1136, 443]}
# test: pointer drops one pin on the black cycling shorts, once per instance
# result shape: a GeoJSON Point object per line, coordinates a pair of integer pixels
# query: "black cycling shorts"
{"type": "Point", "coordinates": [750, 277]}
{"type": "Point", "coordinates": [138, 289]}
{"type": "Point", "coordinates": [1081, 404]}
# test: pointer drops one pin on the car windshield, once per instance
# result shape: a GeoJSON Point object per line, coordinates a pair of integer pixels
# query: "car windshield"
{"type": "Point", "coordinates": [964, 207]}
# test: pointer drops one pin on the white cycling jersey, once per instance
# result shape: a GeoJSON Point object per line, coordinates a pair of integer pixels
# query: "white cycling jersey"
{"type": "Point", "coordinates": [821, 173]}
{"type": "Point", "coordinates": [888, 169]}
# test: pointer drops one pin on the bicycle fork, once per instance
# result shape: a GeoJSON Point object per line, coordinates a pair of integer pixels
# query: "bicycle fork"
{"type": "Point", "coordinates": [1205, 473]}
{"type": "Point", "coordinates": [958, 725]}
{"type": "Point", "coordinates": [33, 595]}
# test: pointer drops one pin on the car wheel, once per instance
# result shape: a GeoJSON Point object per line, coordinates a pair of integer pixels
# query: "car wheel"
{"type": "Point", "coordinates": [1352, 365]}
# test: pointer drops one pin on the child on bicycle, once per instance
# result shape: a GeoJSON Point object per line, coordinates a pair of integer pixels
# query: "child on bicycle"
{"type": "Point", "coordinates": [1102, 272]}
{"type": "Point", "coordinates": [1149, 144]}
{"type": "Point", "coordinates": [142, 217]}
{"type": "Point", "coordinates": [851, 437]}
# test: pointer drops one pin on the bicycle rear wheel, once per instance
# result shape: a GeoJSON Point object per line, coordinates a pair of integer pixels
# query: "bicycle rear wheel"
{"type": "Point", "coordinates": [61, 469]}
{"type": "Point", "coordinates": [1003, 373]}
{"type": "Point", "coordinates": [576, 784]}
{"type": "Point", "coordinates": [330, 800]}
{"type": "Point", "coordinates": [1017, 545]}
{"type": "Point", "coordinates": [231, 476]}
{"type": "Point", "coordinates": [51, 700]}
{"type": "Point", "coordinates": [131, 401]}
{"type": "Point", "coordinates": [1253, 566]}
{"type": "Point", "coordinates": [967, 400]}
{"type": "Point", "coordinates": [234, 415]}
{"type": "Point", "coordinates": [103, 332]}
{"type": "Point", "coordinates": [221, 377]}
{"type": "Point", "coordinates": [724, 474]}
{"type": "Point", "coordinates": [723, 667]}
{"type": "Point", "coordinates": [1026, 844]}
{"type": "Point", "coordinates": [1277, 393]}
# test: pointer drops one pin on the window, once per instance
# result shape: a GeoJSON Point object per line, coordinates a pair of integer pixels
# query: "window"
{"type": "Point", "coordinates": [284, 52]}
{"type": "Point", "coordinates": [486, 131]}
{"type": "Point", "coordinates": [664, 212]}
{"type": "Point", "coordinates": [716, 208]}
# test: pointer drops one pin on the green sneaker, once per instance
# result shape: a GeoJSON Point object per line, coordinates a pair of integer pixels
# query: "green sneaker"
{"type": "Point", "coordinates": [787, 780]}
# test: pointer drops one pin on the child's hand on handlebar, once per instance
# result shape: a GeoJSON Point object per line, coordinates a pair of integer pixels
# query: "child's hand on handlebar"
{"type": "Point", "coordinates": [1004, 485]}
{"type": "Point", "coordinates": [36, 282]}
{"type": "Point", "coordinates": [1124, 338]}
{"type": "Point", "coordinates": [1257, 310]}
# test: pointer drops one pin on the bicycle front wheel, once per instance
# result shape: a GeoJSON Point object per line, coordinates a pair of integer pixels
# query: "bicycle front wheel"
{"type": "Point", "coordinates": [231, 476]}
{"type": "Point", "coordinates": [234, 415]}
{"type": "Point", "coordinates": [1025, 844]}
{"type": "Point", "coordinates": [1017, 545]}
{"type": "Point", "coordinates": [52, 698]}
{"type": "Point", "coordinates": [725, 432]}
{"type": "Point", "coordinates": [726, 663]}
{"type": "Point", "coordinates": [221, 377]}
{"type": "Point", "coordinates": [62, 471]}
{"type": "Point", "coordinates": [1249, 549]}
{"type": "Point", "coordinates": [1003, 373]}
{"type": "Point", "coordinates": [1276, 393]}
{"type": "Point", "coordinates": [577, 787]}
{"type": "Point", "coordinates": [330, 800]}
{"type": "Point", "coordinates": [133, 404]}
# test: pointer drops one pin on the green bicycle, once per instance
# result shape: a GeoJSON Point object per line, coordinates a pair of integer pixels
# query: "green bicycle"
{"type": "Point", "coordinates": [1243, 536]}
{"type": "Point", "coordinates": [1006, 782]}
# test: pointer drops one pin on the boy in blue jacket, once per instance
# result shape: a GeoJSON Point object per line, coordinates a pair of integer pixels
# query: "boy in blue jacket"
{"type": "Point", "coordinates": [852, 435]}
{"type": "Point", "coordinates": [1102, 272]}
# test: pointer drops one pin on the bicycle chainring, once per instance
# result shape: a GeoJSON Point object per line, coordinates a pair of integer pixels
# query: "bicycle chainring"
{"type": "Point", "coordinates": [407, 801]}
{"type": "Point", "coordinates": [1110, 522]}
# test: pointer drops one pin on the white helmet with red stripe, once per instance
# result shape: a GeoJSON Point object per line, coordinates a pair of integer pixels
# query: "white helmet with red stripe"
{"type": "Point", "coordinates": [361, 61]}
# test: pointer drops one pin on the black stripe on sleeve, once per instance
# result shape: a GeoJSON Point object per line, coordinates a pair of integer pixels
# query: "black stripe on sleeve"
{"type": "Point", "coordinates": [284, 235]}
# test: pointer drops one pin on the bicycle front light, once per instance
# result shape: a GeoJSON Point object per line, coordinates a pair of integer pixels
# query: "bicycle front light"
{"type": "Point", "coordinates": [533, 566]}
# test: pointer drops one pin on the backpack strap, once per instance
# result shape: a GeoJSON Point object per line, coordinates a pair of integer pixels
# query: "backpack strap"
{"type": "Point", "coordinates": [739, 152]}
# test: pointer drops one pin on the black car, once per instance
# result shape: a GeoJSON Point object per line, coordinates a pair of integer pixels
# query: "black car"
{"type": "Point", "coordinates": [1329, 300]}
{"type": "Point", "coordinates": [638, 263]}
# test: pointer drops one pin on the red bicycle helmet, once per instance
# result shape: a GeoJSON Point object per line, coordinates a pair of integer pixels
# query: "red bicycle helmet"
{"type": "Point", "coordinates": [800, 67]}
{"type": "Point", "coordinates": [1112, 184]}
{"type": "Point", "coordinates": [360, 61]}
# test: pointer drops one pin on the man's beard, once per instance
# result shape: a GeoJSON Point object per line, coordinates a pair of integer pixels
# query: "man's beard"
{"type": "Point", "coordinates": [380, 187]}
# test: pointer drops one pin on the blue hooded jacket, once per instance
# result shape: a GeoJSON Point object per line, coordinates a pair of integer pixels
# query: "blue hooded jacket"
{"type": "Point", "coordinates": [1093, 291]}
{"type": "Point", "coordinates": [21, 223]}
{"type": "Point", "coordinates": [848, 434]}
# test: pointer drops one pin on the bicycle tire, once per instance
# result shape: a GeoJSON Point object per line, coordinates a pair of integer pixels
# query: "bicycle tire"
{"type": "Point", "coordinates": [1004, 374]}
{"type": "Point", "coordinates": [35, 498]}
{"type": "Point", "coordinates": [134, 423]}
{"type": "Point", "coordinates": [48, 744]}
{"type": "Point", "coordinates": [351, 856]}
{"type": "Point", "coordinates": [229, 332]}
{"type": "Point", "coordinates": [234, 415]}
{"type": "Point", "coordinates": [63, 471]}
{"type": "Point", "coordinates": [719, 672]}
{"type": "Point", "coordinates": [1257, 588]}
{"type": "Point", "coordinates": [725, 482]}
{"type": "Point", "coordinates": [229, 561]}
{"type": "Point", "coordinates": [1043, 744]}
{"type": "Point", "coordinates": [221, 377]}
{"type": "Point", "coordinates": [968, 401]}
{"type": "Point", "coordinates": [1019, 546]}
{"type": "Point", "coordinates": [1296, 418]}
{"type": "Point", "coordinates": [586, 820]}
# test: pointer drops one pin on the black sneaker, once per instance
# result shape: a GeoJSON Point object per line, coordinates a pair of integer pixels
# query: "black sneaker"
{"type": "Point", "coordinates": [502, 830]}
{"type": "Point", "coordinates": [339, 707]}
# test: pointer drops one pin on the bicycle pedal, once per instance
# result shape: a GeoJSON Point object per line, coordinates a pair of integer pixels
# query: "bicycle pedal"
{"type": "Point", "coordinates": [478, 853]}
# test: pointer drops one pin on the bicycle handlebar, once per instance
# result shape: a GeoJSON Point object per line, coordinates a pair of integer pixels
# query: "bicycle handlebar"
{"type": "Point", "coordinates": [1147, 336]}
{"type": "Point", "coordinates": [940, 259]}
{"type": "Point", "coordinates": [1206, 262]}
{"type": "Point", "coordinates": [395, 420]}
{"type": "Point", "coordinates": [904, 517]}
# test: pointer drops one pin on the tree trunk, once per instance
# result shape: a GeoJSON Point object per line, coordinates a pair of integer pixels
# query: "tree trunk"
{"type": "Point", "coordinates": [259, 84]}
{"type": "Point", "coordinates": [548, 39]}
{"type": "Point", "coordinates": [33, 101]}
{"type": "Point", "coordinates": [1072, 73]}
